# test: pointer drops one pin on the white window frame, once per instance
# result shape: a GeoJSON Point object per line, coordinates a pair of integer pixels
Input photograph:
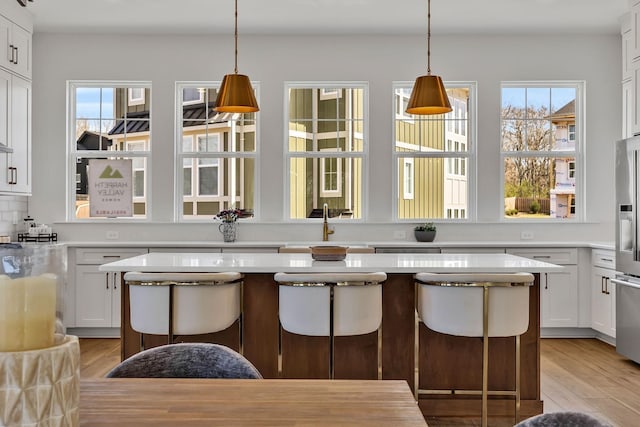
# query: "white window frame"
{"type": "Point", "coordinates": [469, 155]}
{"type": "Point", "coordinates": [330, 89]}
{"type": "Point", "coordinates": [181, 155]}
{"type": "Point", "coordinates": [577, 153]}
{"type": "Point", "coordinates": [132, 99]}
{"type": "Point", "coordinates": [197, 166]}
{"type": "Point", "coordinates": [74, 155]}
{"type": "Point", "coordinates": [324, 192]}
{"type": "Point", "coordinates": [200, 99]}
{"type": "Point", "coordinates": [408, 178]}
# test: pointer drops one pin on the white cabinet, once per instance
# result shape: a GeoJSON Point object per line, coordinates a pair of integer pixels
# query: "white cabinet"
{"type": "Point", "coordinates": [97, 294]}
{"type": "Point", "coordinates": [603, 292]}
{"type": "Point", "coordinates": [559, 296]}
{"type": "Point", "coordinates": [15, 48]}
{"type": "Point", "coordinates": [15, 134]}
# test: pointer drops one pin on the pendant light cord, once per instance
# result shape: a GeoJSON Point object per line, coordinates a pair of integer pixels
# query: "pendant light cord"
{"type": "Point", "coordinates": [428, 37]}
{"type": "Point", "coordinates": [235, 34]}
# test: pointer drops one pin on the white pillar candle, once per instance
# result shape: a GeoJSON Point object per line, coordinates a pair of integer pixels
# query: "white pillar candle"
{"type": "Point", "coordinates": [28, 315]}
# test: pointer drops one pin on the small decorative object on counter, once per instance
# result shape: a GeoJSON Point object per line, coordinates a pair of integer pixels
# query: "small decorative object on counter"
{"type": "Point", "coordinates": [425, 232]}
{"type": "Point", "coordinates": [228, 228]}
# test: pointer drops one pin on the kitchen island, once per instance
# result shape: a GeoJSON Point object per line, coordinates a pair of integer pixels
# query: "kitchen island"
{"type": "Point", "coordinates": [458, 365]}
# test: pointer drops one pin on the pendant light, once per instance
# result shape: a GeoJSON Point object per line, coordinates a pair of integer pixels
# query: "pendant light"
{"type": "Point", "coordinates": [236, 94]}
{"type": "Point", "coordinates": [429, 95]}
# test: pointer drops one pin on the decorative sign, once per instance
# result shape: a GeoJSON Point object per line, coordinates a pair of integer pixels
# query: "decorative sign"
{"type": "Point", "coordinates": [110, 187]}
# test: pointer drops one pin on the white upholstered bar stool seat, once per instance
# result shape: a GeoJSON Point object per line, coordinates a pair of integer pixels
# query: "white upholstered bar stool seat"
{"type": "Point", "coordinates": [477, 305]}
{"type": "Point", "coordinates": [184, 303]}
{"type": "Point", "coordinates": [331, 304]}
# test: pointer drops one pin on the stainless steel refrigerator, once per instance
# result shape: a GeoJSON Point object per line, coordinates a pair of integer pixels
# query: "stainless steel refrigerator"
{"type": "Point", "coordinates": [627, 248]}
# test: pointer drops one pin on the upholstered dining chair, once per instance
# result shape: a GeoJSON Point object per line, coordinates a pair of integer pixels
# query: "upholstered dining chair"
{"type": "Point", "coordinates": [562, 419]}
{"type": "Point", "coordinates": [186, 360]}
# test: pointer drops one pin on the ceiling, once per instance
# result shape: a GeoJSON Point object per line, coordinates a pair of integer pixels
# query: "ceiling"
{"type": "Point", "coordinates": [328, 16]}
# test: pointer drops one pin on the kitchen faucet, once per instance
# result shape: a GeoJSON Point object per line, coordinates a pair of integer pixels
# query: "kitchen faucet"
{"type": "Point", "coordinates": [325, 225]}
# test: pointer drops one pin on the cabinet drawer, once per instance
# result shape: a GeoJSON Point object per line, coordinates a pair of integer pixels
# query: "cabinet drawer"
{"type": "Point", "coordinates": [561, 256]}
{"type": "Point", "coordinates": [102, 255]}
{"type": "Point", "coordinates": [603, 258]}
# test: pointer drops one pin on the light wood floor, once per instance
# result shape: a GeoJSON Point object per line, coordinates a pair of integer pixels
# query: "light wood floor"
{"type": "Point", "coordinates": [583, 375]}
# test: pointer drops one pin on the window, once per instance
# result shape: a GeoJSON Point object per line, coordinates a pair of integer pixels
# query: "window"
{"type": "Point", "coordinates": [192, 95]}
{"type": "Point", "coordinates": [541, 125]}
{"type": "Point", "coordinates": [439, 150]}
{"type": "Point", "coordinates": [572, 132]}
{"type": "Point", "coordinates": [408, 186]}
{"type": "Point", "coordinates": [104, 125]}
{"type": "Point", "coordinates": [217, 155]}
{"type": "Point", "coordinates": [326, 147]}
{"type": "Point", "coordinates": [136, 96]}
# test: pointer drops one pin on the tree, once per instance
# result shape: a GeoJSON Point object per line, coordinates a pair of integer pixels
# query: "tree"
{"type": "Point", "coordinates": [527, 130]}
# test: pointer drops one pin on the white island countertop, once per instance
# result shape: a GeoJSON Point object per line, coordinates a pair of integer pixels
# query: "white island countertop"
{"type": "Point", "coordinates": [303, 263]}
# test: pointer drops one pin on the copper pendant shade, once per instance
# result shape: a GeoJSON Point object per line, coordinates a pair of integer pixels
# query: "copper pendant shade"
{"type": "Point", "coordinates": [429, 95]}
{"type": "Point", "coordinates": [236, 93]}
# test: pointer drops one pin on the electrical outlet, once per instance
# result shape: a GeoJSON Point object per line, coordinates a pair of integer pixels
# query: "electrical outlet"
{"type": "Point", "coordinates": [112, 235]}
{"type": "Point", "coordinates": [526, 235]}
{"type": "Point", "coordinates": [399, 234]}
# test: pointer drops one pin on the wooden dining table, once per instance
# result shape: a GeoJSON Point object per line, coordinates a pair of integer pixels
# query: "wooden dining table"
{"type": "Point", "coordinates": [231, 402]}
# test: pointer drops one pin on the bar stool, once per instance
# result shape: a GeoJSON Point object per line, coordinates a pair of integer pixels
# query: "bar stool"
{"type": "Point", "coordinates": [476, 305]}
{"type": "Point", "coordinates": [330, 305]}
{"type": "Point", "coordinates": [184, 303]}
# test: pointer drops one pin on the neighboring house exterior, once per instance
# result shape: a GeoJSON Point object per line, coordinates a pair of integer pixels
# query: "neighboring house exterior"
{"type": "Point", "coordinates": [327, 121]}
{"type": "Point", "coordinates": [210, 184]}
{"type": "Point", "coordinates": [563, 193]}
{"type": "Point", "coordinates": [432, 187]}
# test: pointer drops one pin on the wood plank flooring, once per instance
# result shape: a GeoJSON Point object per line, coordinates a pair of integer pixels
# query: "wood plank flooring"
{"type": "Point", "coordinates": [583, 375]}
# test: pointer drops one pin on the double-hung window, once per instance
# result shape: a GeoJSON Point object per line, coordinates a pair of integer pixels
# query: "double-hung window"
{"type": "Point", "coordinates": [541, 140]}
{"type": "Point", "coordinates": [216, 156]}
{"type": "Point", "coordinates": [108, 120]}
{"type": "Point", "coordinates": [326, 148]}
{"type": "Point", "coordinates": [433, 157]}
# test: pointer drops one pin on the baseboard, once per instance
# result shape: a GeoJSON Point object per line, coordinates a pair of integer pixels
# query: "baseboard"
{"type": "Point", "coordinates": [567, 333]}
{"type": "Point", "coordinates": [606, 338]}
{"type": "Point", "coordinates": [94, 332]}
{"type": "Point", "coordinates": [576, 333]}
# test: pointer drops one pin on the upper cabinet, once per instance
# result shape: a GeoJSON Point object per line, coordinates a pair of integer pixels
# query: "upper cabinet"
{"type": "Point", "coordinates": [15, 99]}
{"type": "Point", "coordinates": [635, 28]}
{"type": "Point", "coordinates": [15, 134]}
{"type": "Point", "coordinates": [15, 45]}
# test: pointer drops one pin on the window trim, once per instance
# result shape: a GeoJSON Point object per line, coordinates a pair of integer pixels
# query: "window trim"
{"type": "Point", "coordinates": [470, 155]}
{"type": "Point", "coordinates": [577, 153]}
{"type": "Point", "coordinates": [289, 155]}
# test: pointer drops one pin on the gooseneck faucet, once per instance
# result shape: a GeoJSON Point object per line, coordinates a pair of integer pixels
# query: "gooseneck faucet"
{"type": "Point", "coordinates": [325, 225]}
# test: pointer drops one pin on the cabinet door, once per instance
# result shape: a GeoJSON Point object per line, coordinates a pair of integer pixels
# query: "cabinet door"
{"type": "Point", "coordinates": [5, 49]}
{"type": "Point", "coordinates": [635, 123]}
{"type": "Point", "coordinates": [627, 108]}
{"type": "Point", "coordinates": [21, 136]}
{"type": "Point", "coordinates": [5, 119]}
{"type": "Point", "coordinates": [559, 298]}
{"type": "Point", "coordinates": [635, 29]}
{"type": "Point", "coordinates": [93, 297]}
{"type": "Point", "coordinates": [21, 42]}
{"type": "Point", "coordinates": [116, 303]}
{"type": "Point", "coordinates": [603, 301]}
{"type": "Point", "coordinates": [600, 301]}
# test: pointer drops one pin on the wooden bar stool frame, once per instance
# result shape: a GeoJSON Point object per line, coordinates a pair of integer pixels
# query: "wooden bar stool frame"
{"type": "Point", "coordinates": [519, 279]}
{"type": "Point", "coordinates": [279, 277]}
{"type": "Point", "coordinates": [196, 279]}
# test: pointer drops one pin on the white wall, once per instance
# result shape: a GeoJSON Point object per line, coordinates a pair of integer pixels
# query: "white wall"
{"type": "Point", "coordinates": [380, 60]}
